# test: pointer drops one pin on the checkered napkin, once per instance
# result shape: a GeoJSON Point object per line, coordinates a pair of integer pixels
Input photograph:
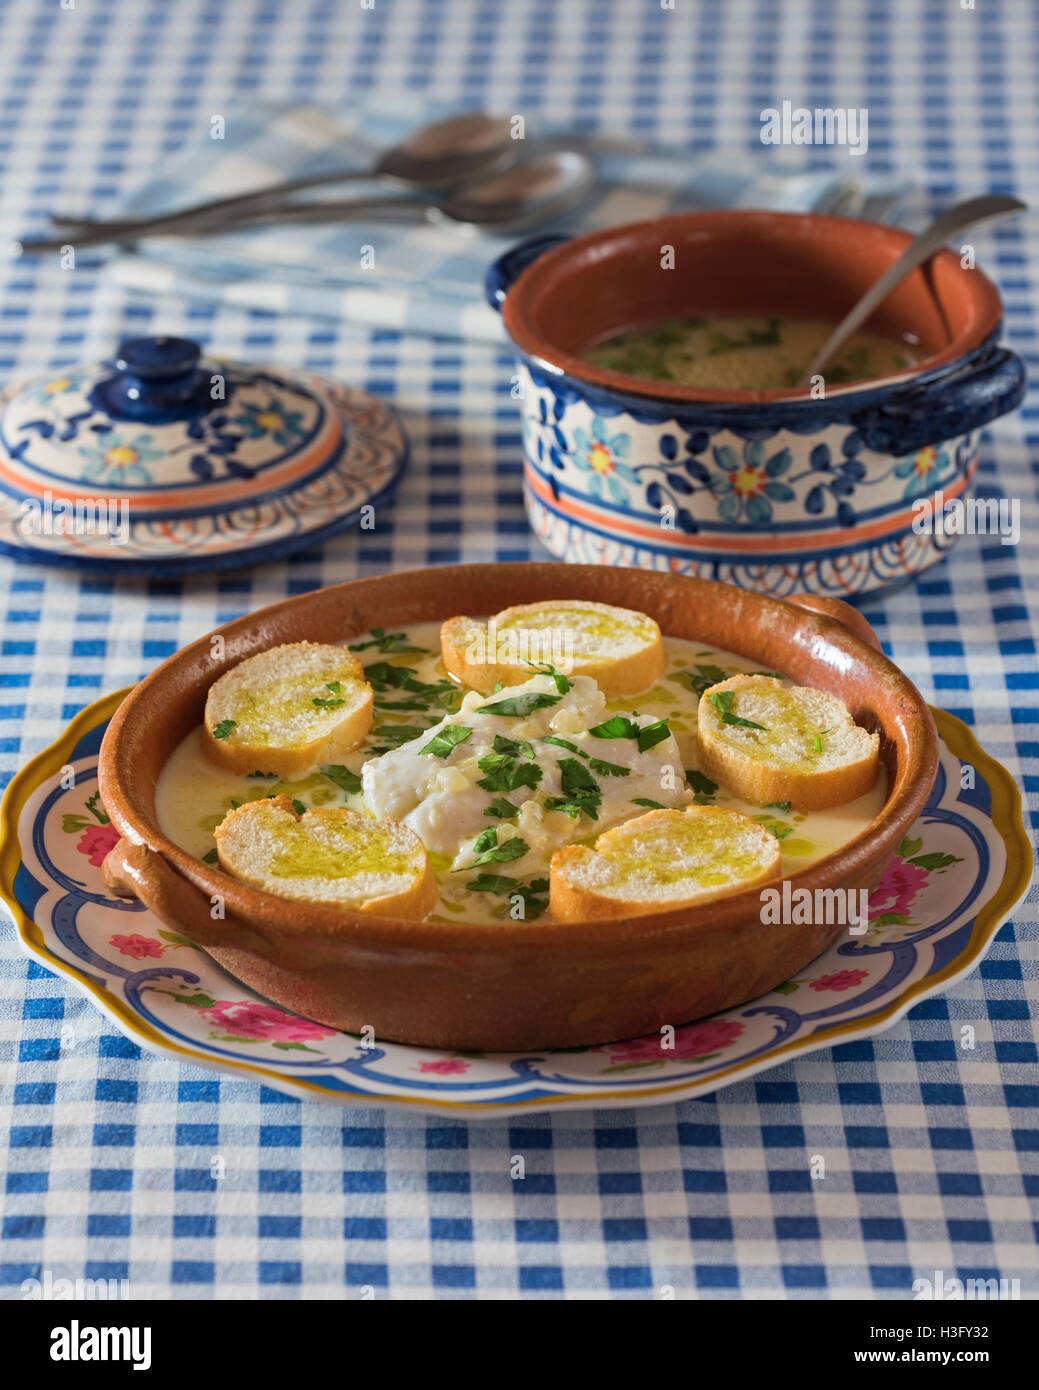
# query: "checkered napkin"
{"type": "Point", "coordinates": [425, 279]}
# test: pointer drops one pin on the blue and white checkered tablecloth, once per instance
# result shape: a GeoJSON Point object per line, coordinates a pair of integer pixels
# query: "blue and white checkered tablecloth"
{"type": "Point", "coordinates": [932, 1153]}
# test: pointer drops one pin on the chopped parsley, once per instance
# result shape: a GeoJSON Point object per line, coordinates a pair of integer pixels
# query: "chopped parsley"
{"type": "Point", "coordinates": [646, 801]}
{"type": "Point", "coordinates": [519, 706]}
{"type": "Point", "coordinates": [706, 676]}
{"type": "Point", "coordinates": [268, 776]}
{"type": "Point", "coordinates": [383, 676]}
{"type": "Point", "coordinates": [516, 748]}
{"type": "Point", "coordinates": [564, 743]}
{"type": "Point", "coordinates": [581, 792]}
{"type": "Point", "coordinates": [779, 830]}
{"type": "Point", "coordinates": [342, 777]}
{"type": "Point", "coordinates": [562, 684]}
{"type": "Point", "coordinates": [817, 742]}
{"type": "Point", "coordinates": [605, 769]}
{"type": "Point", "coordinates": [441, 745]}
{"type": "Point", "coordinates": [223, 729]}
{"type": "Point", "coordinates": [653, 734]}
{"type": "Point", "coordinates": [722, 702]}
{"type": "Point", "coordinates": [386, 642]}
{"type": "Point", "coordinates": [488, 850]}
{"type": "Point", "coordinates": [211, 858]}
{"type": "Point", "coordinates": [502, 809]}
{"type": "Point", "coordinates": [504, 774]}
{"type": "Point", "coordinates": [396, 734]}
{"type": "Point", "coordinates": [530, 893]}
{"type": "Point", "coordinates": [699, 783]}
{"type": "Point", "coordinates": [298, 806]}
{"type": "Point", "coordinates": [319, 703]}
{"type": "Point", "coordinates": [618, 726]}
{"type": "Point", "coordinates": [783, 807]}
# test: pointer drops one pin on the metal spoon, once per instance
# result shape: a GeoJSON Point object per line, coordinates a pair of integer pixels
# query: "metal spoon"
{"type": "Point", "coordinates": [932, 239]}
{"type": "Point", "coordinates": [437, 157]}
{"type": "Point", "coordinates": [533, 191]}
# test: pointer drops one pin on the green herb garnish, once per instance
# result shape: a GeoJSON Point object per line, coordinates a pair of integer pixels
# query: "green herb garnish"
{"type": "Point", "coordinates": [516, 748]}
{"type": "Point", "coordinates": [450, 736]}
{"type": "Point", "coordinates": [504, 774]}
{"type": "Point", "coordinates": [502, 809]}
{"type": "Point", "coordinates": [618, 726]}
{"type": "Point", "coordinates": [223, 729]}
{"type": "Point", "coordinates": [298, 806]}
{"type": "Point", "coordinates": [653, 734]}
{"type": "Point", "coordinates": [349, 781]}
{"type": "Point", "coordinates": [564, 743]}
{"type": "Point", "coordinates": [581, 792]}
{"type": "Point", "coordinates": [562, 684]}
{"type": "Point", "coordinates": [519, 706]}
{"type": "Point", "coordinates": [490, 852]}
{"type": "Point", "coordinates": [386, 642]}
{"type": "Point", "coordinates": [705, 677]}
{"type": "Point", "coordinates": [605, 769]}
{"type": "Point", "coordinates": [722, 702]}
{"type": "Point", "coordinates": [211, 858]}
{"type": "Point", "coordinates": [534, 904]}
{"type": "Point", "coordinates": [700, 783]}
{"type": "Point", "coordinates": [268, 776]}
{"type": "Point", "coordinates": [783, 807]}
{"type": "Point", "coordinates": [645, 801]}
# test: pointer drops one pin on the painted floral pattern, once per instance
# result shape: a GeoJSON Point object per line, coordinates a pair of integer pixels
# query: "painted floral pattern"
{"type": "Point", "coordinates": [96, 834]}
{"type": "Point", "coordinates": [925, 471]}
{"type": "Point", "coordinates": [120, 458]}
{"type": "Point", "coordinates": [693, 1041]}
{"type": "Point", "coordinates": [748, 484]}
{"type": "Point", "coordinates": [602, 456]}
{"type": "Point", "coordinates": [283, 426]}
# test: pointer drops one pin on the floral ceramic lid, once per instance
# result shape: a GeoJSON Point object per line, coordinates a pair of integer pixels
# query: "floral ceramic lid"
{"type": "Point", "coordinates": [163, 461]}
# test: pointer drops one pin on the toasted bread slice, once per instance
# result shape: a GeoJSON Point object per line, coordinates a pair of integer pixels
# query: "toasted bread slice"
{"type": "Point", "coordinates": [328, 856]}
{"type": "Point", "coordinates": [807, 749]}
{"type": "Point", "coordinates": [620, 649]}
{"type": "Point", "coordinates": [659, 861]}
{"type": "Point", "coordinates": [287, 709]}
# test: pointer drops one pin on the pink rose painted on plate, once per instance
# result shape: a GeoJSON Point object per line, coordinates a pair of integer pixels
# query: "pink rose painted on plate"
{"type": "Point", "coordinates": [245, 1021]}
{"type": "Point", "coordinates": [139, 947]}
{"type": "Point", "coordinates": [701, 1041]}
{"type": "Point", "coordinates": [839, 980]}
{"type": "Point", "coordinates": [447, 1066]}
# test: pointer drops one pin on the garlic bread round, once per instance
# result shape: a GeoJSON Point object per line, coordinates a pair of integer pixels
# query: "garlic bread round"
{"type": "Point", "coordinates": [769, 742]}
{"type": "Point", "coordinates": [328, 856]}
{"type": "Point", "coordinates": [287, 710]}
{"type": "Point", "coordinates": [622, 650]}
{"type": "Point", "coordinates": [662, 860]}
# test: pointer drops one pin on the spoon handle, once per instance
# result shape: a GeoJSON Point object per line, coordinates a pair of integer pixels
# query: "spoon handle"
{"type": "Point", "coordinates": [933, 238]}
{"type": "Point", "coordinates": [205, 224]}
{"type": "Point", "coordinates": [127, 226]}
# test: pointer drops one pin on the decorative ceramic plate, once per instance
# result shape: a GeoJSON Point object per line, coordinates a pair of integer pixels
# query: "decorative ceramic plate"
{"type": "Point", "coordinates": [952, 884]}
{"type": "Point", "coordinates": [164, 462]}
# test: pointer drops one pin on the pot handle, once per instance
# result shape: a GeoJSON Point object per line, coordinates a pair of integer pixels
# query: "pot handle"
{"type": "Point", "coordinates": [138, 871]}
{"type": "Point", "coordinates": [928, 414]}
{"type": "Point", "coordinates": [841, 612]}
{"type": "Point", "coordinates": [502, 273]}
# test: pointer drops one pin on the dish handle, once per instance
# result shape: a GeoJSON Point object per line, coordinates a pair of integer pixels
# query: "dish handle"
{"type": "Point", "coordinates": [930, 413]}
{"type": "Point", "coordinates": [138, 871]}
{"type": "Point", "coordinates": [841, 612]}
{"type": "Point", "coordinates": [502, 273]}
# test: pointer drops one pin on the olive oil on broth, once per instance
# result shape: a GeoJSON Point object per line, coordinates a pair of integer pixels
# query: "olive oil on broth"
{"type": "Point", "coordinates": [194, 795]}
{"type": "Point", "coordinates": [747, 354]}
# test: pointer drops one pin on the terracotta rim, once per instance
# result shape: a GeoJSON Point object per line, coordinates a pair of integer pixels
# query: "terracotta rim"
{"type": "Point", "coordinates": [128, 804]}
{"type": "Point", "coordinates": [519, 321]}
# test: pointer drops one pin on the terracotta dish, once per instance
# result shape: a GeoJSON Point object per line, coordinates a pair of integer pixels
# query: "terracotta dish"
{"type": "Point", "coordinates": [512, 985]}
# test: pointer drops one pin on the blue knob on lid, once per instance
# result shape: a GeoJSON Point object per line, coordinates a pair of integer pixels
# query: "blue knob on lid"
{"type": "Point", "coordinates": [156, 379]}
